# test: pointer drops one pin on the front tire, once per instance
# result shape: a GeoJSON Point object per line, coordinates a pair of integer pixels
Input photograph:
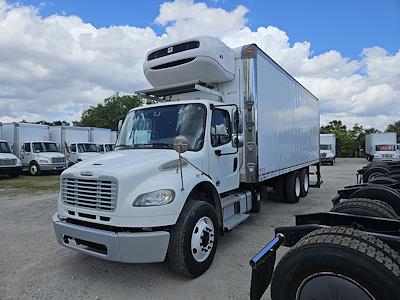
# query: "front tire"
{"type": "Point", "coordinates": [34, 169]}
{"type": "Point", "coordinates": [337, 263]}
{"type": "Point", "coordinates": [194, 239]}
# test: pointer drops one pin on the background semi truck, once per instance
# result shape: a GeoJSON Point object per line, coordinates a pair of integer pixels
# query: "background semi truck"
{"type": "Point", "coordinates": [327, 148]}
{"type": "Point", "coordinates": [381, 146]}
{"type": "Point", "coordinates": [31, 143]}
{"type": "Point", "coordinates": [228, 126]}
{"type": "Point", "coordinates": [75, 142]}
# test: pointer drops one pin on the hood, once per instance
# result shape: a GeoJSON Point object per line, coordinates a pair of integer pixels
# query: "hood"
{"type": "Point", "coordinates": [140, 163]}
{"type": "Point", "coordinates": [50, 155]}
{"type": "Point", "coordinates": [7, 156]}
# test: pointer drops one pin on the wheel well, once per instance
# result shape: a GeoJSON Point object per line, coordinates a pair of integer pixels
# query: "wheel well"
{"type": "Point", "coordinates": [205, 191]}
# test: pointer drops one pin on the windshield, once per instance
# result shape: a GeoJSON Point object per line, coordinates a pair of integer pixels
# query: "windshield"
{"type": "Point", "coordinates": [37, 147]}
{"type": "Point", "coordinates": [4, 148]}
{"type": "Point", "coordinates": [385, 147]}
{"type": "Point", "coordinates": [156, 127]}
{"type": "Point", "coordinates": [50, 147]}
{"type": "Point", "coordinates": [87, 148]}
{"type": "Point", "coordinates": [325, 147]}
{"type": "Point", "coordinates": [44, 147]}
{"type": "Point", "coordinates": [109, 147]}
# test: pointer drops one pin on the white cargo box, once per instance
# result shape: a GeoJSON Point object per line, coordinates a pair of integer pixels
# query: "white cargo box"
{"type": "Point", "coordinates": [100, 135]}
{"type": "Point", "coordinates": [68, 135]}
{"type": "Point", "coordinates": [204, 59]}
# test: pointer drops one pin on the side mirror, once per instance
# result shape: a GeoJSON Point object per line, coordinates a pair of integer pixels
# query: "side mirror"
{"type": "Point", "coordinates": [237, 125]}
{"type": "Point", "coordinates": [181, 144]}
{"type": "Point", "coordinates": [37, 151]}
{"type": "Point", "coordinates": [237, 140]}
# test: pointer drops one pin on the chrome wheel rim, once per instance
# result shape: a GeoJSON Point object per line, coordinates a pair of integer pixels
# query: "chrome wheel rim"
{"type": "Point", "coordinates": [202, 241]}
{"type": "Point", "coordinates": [33, 170]}
{"type": "Point", "coordinates": [306, 182]}
{"type": "Point", "coordinates": [297, 186]}
{"type": "Point", "coordinates": [328, 285]}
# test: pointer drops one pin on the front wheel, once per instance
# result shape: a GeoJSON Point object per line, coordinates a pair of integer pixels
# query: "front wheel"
{"type": "Point", "coordinates": [337, 263]}
{"type": "Point", "coordinates": [194, 239]}
{"type": "Point", "coordinates": [34, 169]}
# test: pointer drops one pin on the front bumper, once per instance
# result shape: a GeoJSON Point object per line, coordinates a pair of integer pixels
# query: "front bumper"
{"type": "Point", "coordinates": [327, 159]}
{"type": "Point", "coordinates": [386, 159]}
{"type": "Point", "coordinates": [128, 247]}
{"type": "Point", "coordinates": [10, 169]}
{"type": "Point", "coordinates": [54, 167]}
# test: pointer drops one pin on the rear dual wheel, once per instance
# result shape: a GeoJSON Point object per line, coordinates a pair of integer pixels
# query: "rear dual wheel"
{"type": "Point", "coordinates": [297, 185]}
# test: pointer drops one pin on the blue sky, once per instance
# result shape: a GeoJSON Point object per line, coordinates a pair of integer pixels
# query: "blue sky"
{"type": "Point", "coordinates": [345, 25]}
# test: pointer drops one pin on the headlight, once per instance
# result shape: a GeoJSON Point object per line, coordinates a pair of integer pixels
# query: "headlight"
{"type": "Point", "coordinates": [156, 198]}
{"type": "Point", "coordinates": [44, 161]}
{"type": "Point", "coordinates": [19, 163]}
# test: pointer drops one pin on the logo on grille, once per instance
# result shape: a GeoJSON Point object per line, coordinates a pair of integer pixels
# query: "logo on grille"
{"type": "Point", "coordinates": [86, 173]}
{"type": "Point", "coordinates": [170, 50]}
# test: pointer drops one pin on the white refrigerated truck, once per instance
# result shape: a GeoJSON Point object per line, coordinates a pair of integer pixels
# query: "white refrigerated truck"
{"type": "Point", "coordinates": [381, 146]}
{"type": "Point", "coordinates": [101, 137]}
{"type": "Point", "coordinates": [31, 143]}
{"type": "Point", "coordinates": [75, 142]}
{"type": "Point", "coordinates": [327, 148]}
{"type": "Point", "coordinates": [228, 125]}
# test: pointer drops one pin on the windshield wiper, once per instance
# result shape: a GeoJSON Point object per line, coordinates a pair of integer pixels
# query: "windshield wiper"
{"type": "Point", "coordinates": [124, 146]}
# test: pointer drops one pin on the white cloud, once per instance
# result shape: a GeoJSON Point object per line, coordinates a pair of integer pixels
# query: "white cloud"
{"type": "Point", "coordinates": [54, 67]}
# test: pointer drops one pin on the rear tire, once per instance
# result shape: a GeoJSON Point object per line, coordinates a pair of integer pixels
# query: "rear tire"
{"type": "Point", "coordinates": [305, 182]}
{"type": "Point", "coordinates": [337, 263]}
{"type": "Point", "coordinates": [292, 187]}
{"type": "Point", "coordinates": [365, 207]}
{"type": "Point", "coordinates": [373, 172]}
{"type": "Point", "coordinates": [194, 239]}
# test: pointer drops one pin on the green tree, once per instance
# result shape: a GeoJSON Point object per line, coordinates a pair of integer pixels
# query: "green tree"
{"type": "Point", "coordinates": [395, 127]}
{"type": "Point", "coordinates": [106, 115]}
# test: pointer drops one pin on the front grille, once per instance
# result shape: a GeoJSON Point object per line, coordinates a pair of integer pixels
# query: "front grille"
{"type": "Point", "coordinates": [8, 162]}
{"type": "Point", "coordinates": [387, 155]}
{"type": "Point", "coordinates": [90, 193]}
{"type": "Point", "coordinates": [56, 160]}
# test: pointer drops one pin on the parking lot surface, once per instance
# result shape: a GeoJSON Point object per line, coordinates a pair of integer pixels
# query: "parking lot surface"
{"type": "Point", "coordinates": [33, 265]}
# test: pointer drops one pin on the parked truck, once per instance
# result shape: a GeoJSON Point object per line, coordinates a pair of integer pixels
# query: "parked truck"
{"type": "Point", "coordinates": [31, 143]}
{"type": "Point", "coordinates": [227, 126]}
{"type": "Point", "coordinates": [9, 164]}
{"type": "Point", "coordinates": [381, 146]}
{"type": "Point", "coordinates": [75, 142]}
{"type": "Point", "coordinates": [327, 148]}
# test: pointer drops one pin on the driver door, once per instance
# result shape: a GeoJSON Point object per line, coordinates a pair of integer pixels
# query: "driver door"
{"type": "Point", "coordinates": [223, 161]}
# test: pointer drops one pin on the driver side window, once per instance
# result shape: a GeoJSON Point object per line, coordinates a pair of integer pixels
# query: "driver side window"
{"type": "Point", "coordinates": [73, 148]}
{"type": "Point", "coordinates": [220, 128]}
{"type": "Point", "coordinates": [27, 147]}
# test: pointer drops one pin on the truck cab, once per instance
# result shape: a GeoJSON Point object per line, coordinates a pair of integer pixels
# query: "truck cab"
{"type": "Point", "coordinates": [194, 163]}
{"type": "Point", "coordinates": [386, 153]}
{"type": "Point", "coordinates": [82, 151]}
{"type": "Point", "coordinates": [42, 156]}
{"type": "Point", "coordinates": [327, 154]}
{"type": "Point", "coordinates": [9, 163]}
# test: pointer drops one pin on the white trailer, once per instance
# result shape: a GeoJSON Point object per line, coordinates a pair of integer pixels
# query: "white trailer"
{"type": "Point", "coordinates": [381, 146]}
{"type": "Point", "coordinates": [9, 163]}
{"type": "Point", "coordinates": [31, 143]}
{"type": "Point", "coordinates": [100, 135]}
{"type": "Point", "coordinates": [241, 125]}
{"type": "Point", "coordinates": [327, 148]}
